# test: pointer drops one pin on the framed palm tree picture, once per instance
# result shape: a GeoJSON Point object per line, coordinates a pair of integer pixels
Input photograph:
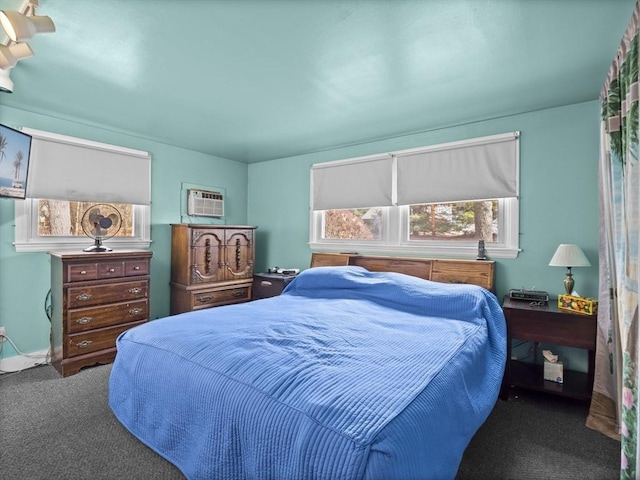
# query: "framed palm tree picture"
{"type": "Point", "coordinates": [15, 149]}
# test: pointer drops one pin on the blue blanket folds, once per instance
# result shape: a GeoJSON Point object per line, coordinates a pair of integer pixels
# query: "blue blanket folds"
{"type": "Point", "coordinates": [348, 374]}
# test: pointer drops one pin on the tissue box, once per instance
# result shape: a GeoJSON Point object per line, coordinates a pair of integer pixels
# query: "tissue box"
{"type": "Point", "coordinates": [588, 306]}
{"type": "Point", "coordinates": [553, 371]}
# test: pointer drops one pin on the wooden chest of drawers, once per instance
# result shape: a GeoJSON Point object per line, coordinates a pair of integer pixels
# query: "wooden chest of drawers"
{"type": "Point", "coordinates": [94, 298]}
{"type": "Point", "coordinates": [211, 265]}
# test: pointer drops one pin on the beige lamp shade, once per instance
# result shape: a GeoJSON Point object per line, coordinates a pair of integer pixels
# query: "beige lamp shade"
{"type": "Point", "coordinates": [20, 27]}
{"type": "Point", "coordinates": [569, 255]}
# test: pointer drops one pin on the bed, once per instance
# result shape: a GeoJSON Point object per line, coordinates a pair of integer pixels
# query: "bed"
{"type": "Point", "coordinates": [348, 374]}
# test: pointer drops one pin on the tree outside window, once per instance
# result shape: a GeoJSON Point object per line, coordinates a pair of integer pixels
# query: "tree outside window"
{"type": "Point", "coordinates": [63, 218]}
{"type": "Point", "coordinates": [461, 221]}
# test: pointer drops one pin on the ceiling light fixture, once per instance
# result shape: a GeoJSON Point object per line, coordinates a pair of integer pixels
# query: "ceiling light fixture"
{"type": "Point", "coordinates": [9, 55]}
{"type": "Point", "coordinates": [19, 26]}
{"type": "Point", "coordinates": [6, 84]}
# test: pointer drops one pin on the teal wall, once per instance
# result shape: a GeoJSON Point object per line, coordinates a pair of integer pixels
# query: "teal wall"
{"type": "Point", "coordinates": [25, 277]}
{"type": "Point", "coordinates": [559, 160]}
{"type": "Point", "coordinates": [558, 185]}
{"type": "Point", "coordinates": [559, 151]}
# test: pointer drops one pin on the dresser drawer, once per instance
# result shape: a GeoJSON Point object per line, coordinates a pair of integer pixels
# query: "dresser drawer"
{"type": "Point", "coordinates": [82, 272]}
{"type": "Point", "coordinates": [219, 296]}
{"type": "Point", "coordinates": [110, 269]}
{"type": "Point", "coordinates": [95, 340]}
{"type": "Point", "coordinates": [94, 271]}
{"type": "Point", "coordinates": [83, 319]}
{"type": "Point", "coordinates": [86, 296]}
{"type": "Point", "coordinates": [267, 285]}
{"type": "Point", "coordinates": [136, 267]}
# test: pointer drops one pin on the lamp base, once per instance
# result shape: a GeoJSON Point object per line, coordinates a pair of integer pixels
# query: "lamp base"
{"type": "Point", "coordinates": [568, 282]}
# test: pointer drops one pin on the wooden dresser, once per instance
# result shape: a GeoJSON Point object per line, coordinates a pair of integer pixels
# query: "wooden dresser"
{"type": "Point", "coordinates": [94, 298]}
{"type": "Point", "coordinates": [211, 265]}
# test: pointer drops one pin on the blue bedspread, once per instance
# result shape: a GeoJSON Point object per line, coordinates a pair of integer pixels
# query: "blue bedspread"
{"type": "Point", "coordinates": [346, 375]}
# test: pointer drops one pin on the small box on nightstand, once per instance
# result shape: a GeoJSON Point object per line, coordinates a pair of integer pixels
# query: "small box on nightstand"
{"type": "Point", "coordinates": [588, 306]}
{"type": "Point", "coordinates": [267, 285]}
{"type": "Point", "coordinates": [553, 371]}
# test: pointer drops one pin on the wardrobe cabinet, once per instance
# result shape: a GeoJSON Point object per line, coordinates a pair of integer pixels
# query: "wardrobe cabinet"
{"type": "Point", "coordinates": [94, 298]}
{"type": "Point", "coordinates": [211, 265]}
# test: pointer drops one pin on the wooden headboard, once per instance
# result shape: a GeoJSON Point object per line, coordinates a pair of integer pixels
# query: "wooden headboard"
{"type": "Point", "coordinates": [476, 272]}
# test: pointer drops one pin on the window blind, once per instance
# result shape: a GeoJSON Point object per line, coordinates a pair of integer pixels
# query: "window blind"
{"type": "Point", "coordinates": [68, 168]}
{"type": "Point", "coordinates": [355, 183]}
{"type": "Point", "coordinates": [480, 169]}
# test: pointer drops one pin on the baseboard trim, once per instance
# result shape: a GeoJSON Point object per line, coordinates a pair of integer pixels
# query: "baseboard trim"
{"type": "Point", "coordinates": [22, 362]}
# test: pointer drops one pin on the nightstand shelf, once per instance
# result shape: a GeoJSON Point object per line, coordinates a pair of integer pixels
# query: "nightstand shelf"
{"type": "Point", "coordinates": [530, 376]}
{"type": "Point", "coordinates": [548, 324]}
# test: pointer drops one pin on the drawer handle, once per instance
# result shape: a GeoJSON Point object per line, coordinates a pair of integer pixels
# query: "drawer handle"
{"type": "Point", "coordinates": [84, 297]}
{"type": "Point", "coordinates": [135, 311]}
{"type": "Point", "coordinates": [137, 267]}
{"type": "Point", "coordinates": [84, 320]}
{"type": "Point", "coordinates": [84, 344]}
{"type": "Point", "coordinates": [83, 272]}
{"type": "Point", "coordinates": [204, 298]}
{"type": "Point", "coordinates": [239, 293]}
{"type": "Point", "coordinates": [266, 283]}
{"type": "Point", "coordinates": [135, 290]}
{"type": "Point", "coordinates": [111, 270]}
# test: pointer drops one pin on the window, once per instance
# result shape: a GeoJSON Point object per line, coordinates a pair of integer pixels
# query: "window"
{"type": "Point", "coordinates": [34, 232]}
{"type": "Point", "coordinates": [453, 225]}
{"type": "Point", "coordinates": [62, 218]}
{"type": "Point", "coordinates": [67, 176]}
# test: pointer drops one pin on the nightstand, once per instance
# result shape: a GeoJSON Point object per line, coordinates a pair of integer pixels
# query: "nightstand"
{"type": "Point", "coordinates": [548, 324]}
{"type": "Point", "coordinates": [267, 285]}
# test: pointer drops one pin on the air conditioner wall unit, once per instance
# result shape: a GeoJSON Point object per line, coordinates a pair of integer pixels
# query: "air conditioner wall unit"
{"type": "Point", "coordinates": [205, 203]}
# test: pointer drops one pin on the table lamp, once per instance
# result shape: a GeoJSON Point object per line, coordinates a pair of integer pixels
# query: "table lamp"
{"type": "Point", "coordinates": [569, 255]}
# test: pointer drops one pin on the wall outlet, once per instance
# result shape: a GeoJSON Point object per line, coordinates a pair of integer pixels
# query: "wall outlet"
{"type": "Point", "coordinates": [3, 333]}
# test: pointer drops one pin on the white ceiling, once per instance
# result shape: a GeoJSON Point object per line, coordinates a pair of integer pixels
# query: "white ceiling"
{"type": "Point", "coordinates": [253, 80]}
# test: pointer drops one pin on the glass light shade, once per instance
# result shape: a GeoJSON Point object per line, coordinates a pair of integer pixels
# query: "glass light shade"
{"type": "Point", "coordinates": [9, 55]}
{"type": "Point", "coordinates": [569, 255]}
{"type": "Point", "coordinates": [6, 84]}
{"type": "Point", "coordinates": [20, 27]}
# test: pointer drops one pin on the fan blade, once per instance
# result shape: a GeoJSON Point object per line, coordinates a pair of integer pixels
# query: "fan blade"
{"type": "Point", "coordinates": [115, 219]}
{"type": "Point", "coordinates": [95, 216]}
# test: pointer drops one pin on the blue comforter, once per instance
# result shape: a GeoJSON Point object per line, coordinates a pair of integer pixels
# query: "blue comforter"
{"type": "Point", "coordinates": [346, 375]}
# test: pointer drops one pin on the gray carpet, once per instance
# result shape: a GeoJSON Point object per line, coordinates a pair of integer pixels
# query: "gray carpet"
{"type": "Point", "coordinates": [62, 428]}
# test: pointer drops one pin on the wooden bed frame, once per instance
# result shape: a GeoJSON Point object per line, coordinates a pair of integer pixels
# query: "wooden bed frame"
{"type": "Point", "coordinates": [477, 272]}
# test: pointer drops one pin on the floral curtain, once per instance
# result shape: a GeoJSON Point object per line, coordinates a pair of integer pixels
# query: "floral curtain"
{"type": "Point", "coordinates": [614, 407]}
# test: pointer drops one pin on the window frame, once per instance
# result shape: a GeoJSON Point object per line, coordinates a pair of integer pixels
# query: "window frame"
{"type": "Point", "coordinates": [396, 226]}
{"type": "Point", "coordinates": [28, 240]}
{"type": "Point", "coordinates": [396, 216]}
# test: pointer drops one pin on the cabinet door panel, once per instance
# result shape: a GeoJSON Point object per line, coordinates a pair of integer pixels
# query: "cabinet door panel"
{"type": "Point", "coordinates": [239, 254]}
{"type": "Point", "coordinates": [207, 257]}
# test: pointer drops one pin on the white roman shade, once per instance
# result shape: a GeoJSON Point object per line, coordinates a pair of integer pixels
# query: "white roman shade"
{"type": "Point", "coordinates": [68, 168]}
{"type": "Point", "coordinates": [479, 169]}
{"type": "Point", "coordinates": [355, 183]}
